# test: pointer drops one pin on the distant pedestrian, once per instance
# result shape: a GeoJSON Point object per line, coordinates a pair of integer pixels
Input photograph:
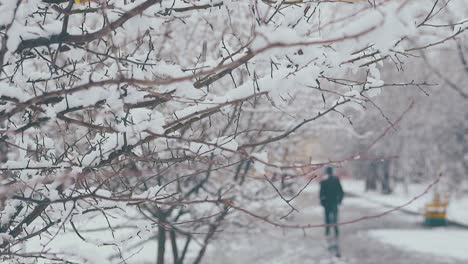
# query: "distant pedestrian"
{"type": "Point", "coordinates": [331, 195]}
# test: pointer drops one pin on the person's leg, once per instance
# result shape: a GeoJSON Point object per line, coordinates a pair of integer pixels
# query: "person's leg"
{"type": "Point", "coordinates": [327, 221]}
{"type": "Point", "coordinates": [335, 219]}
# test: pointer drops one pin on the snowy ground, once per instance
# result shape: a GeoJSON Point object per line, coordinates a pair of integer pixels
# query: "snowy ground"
{"type": "Point", "coordinates": [456, 210]}
{"type": "Point", "coordinates": [365, 242]}
{"type": "Point", "coordinates": [396, 238]}
{"type": "Point", "coordinates": [440, 242]}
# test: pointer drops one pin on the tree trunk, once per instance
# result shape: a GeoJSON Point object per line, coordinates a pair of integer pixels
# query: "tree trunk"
{"type": "Point", "coordinates": [386, 177]}
{"type": "Point", "coordinates": [161, 244]}
{"type": "Point", "coordinates": [184, 251]}
{"type": "Point", "coordinates": [210, 234]}
{"type": "Point", "coordinates": [175, 250]}
{"type": "Point", "coordinates": [371, 177]}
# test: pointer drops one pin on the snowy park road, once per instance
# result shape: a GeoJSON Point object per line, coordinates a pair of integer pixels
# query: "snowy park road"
{"type": "Point", "coordinates": [274, 245]}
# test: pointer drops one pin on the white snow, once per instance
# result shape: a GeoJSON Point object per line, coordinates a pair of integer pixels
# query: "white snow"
{"type": "Point", "coordinates": [439, 242]}
{"type": "Point", "coordinates": [5, 237]}
{"type": "Point", "coordinates": [456, 210]}
{"type": "Point", "coordinates": [260, 159]}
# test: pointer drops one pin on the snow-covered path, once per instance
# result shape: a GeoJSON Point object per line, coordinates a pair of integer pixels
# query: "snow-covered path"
{"type": "Point", "coordinates": [274, 245]}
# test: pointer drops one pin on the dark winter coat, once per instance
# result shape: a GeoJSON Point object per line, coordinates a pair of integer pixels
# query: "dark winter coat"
{"type": "Point", "coordinates": [331, 193]}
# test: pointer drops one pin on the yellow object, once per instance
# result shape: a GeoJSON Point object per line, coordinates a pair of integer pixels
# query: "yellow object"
{"type": "Point", "coordinates": [81, 1]}
{"type": "Point", "coordinates": [437, 209]}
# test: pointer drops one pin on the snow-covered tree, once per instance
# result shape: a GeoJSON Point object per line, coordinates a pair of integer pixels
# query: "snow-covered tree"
{"type": "Point", "coordinates": [130, 121]}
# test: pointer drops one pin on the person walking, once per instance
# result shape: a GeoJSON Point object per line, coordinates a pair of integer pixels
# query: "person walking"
{"type": "Point", "coordinates": [331, 195]}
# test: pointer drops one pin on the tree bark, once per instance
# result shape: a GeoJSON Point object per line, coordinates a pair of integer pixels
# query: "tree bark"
{"type": "Point", "coordinates": [371, 182]}
{"type": "Point", "coordinates": [175, 250]}
{"type": "Point", "coordinates": [386, 177]}
{"type": "Point", "coordinates": [161, 244]}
